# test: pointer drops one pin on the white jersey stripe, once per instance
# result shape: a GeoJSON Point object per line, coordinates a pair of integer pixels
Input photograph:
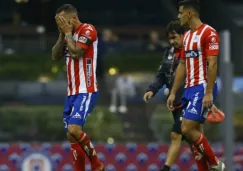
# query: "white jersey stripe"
{"type": "Point", "coordinates": [68, 79]}
{"type": "Point", "coordinates": [72, 76]}
{"type": "Point", "coordinates": [95, 47]}
{"type": "Point", "coordinates": [186, 39]}
{"type": "Point", "coordinates": [87, 105]}
{"type": "Point", "coordinates": [201, 72]}
{"type": "Point", "coordinates": [82, 88]}
{"type": "Point", "coordinates": [192, 69]}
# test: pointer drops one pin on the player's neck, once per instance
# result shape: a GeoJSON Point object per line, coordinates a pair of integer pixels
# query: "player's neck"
{"type": "Point", "coordinates": [77, 24]}
{"type": "Point", "coordinates": [195, 24]}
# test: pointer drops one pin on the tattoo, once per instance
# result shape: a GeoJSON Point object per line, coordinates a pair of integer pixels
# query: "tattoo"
{"type": "Point", "coordinates": [58, 48]}
{"type": "Point", "coordinates": [76, 52]}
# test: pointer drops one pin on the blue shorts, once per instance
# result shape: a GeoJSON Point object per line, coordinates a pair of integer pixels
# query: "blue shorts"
{"type": "Point", "coordinates": [192, 102]}
{"type": "Point", "coordinates": [77, 108]}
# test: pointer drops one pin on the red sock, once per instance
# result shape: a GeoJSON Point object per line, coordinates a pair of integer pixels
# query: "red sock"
{"type": "Point", "coordinates": [88, 148]}
{"type": "Point", "coordinates": [200, 159]}
{"type": "Point", "coordinates": [203, 146]}
{"type": "Point", "coordinates": [78, 157]}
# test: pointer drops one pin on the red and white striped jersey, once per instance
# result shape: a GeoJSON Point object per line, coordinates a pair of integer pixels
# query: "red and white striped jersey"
{"type": "Point", "coordinates": [81, 73]}
{"type": "Point", "coordinates": [197, 46]}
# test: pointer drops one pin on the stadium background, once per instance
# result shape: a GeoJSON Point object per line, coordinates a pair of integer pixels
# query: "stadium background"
{"type": "Point", "coordinates": [32, 86]}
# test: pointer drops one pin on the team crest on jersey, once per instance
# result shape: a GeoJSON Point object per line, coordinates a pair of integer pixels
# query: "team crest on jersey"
{"type": "Point", "coordinates": [36, 161]}
{"type": "Point", "coordinates": [83, 39]}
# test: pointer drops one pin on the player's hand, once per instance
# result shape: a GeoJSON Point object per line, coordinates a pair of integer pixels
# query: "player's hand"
{"type": "Point", "coordinates": [208, 100]}
{"type": "Point", "coordinates": [66, 27]}
{"type": "Point", "coordinates": [147, 96]}
{"type": "Point", "coordinates": [170, 102]}
{"type": "Point", "coordinates": [58, 21]}
{"type": "Point", "coordinates": [214, 110]}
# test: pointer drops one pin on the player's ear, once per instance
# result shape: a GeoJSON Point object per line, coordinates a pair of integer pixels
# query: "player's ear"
{"type": "Point", "coordinates": [73, 19]}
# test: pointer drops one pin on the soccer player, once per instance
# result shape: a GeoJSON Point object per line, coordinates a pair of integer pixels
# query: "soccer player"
{"type": "Point", "coordinates": [77, 42]}
{"type": "Point", "coordinates": [199, 65]}
{"type": "Point", "coordinates": [165, 76]}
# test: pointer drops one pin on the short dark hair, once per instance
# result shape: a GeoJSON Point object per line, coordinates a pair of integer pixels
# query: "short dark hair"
{"type": "Point", "coordinates": [68, 8]}
{"type": "Point", "coordinates": [175, 26]}
{"type": "Point", "coordinates": [195, 4]}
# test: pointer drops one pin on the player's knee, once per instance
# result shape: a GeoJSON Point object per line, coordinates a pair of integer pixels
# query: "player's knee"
{"type": "Point", "coordinates": [74, 131]}
{"type": "Point", "coordinates": [185, 130]}
{"type": "Point", "coordinates": [175, 137]}
{"type": "Point", "coordinates": [188, 127]}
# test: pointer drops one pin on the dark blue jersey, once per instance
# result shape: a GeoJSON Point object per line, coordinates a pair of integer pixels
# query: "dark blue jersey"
{"type": "Point", "coordinates": [165, 74]}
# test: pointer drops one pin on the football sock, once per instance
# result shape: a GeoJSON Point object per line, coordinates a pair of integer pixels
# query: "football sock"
{"type": "Point", "coordinates": [88, 148]}
{"type": "Point", "coordinates": [78, 156]}
{"type": "Point", "coordinates": [203, 146]}
{"type": "Point", "coordinates": [200, 159]}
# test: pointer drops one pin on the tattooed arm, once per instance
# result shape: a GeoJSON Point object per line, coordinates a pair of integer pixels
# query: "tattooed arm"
{"type": "Point", "coordinates": [75, 51]}
{"type": "Point", "coordinates": [58, 48]}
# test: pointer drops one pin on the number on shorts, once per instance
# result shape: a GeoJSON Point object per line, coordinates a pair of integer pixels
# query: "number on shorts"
{"type": "Point", "coordinates": [65, 122]}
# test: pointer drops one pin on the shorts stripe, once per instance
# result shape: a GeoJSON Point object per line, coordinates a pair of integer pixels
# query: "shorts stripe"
{"type": "Point", "coordinates": [87, 105]}
{"type": "Point", "coordinates": [204, 87]}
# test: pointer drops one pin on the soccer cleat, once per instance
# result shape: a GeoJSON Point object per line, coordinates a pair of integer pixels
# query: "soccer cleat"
{"type": "Point", "coordinates": [219, 167]}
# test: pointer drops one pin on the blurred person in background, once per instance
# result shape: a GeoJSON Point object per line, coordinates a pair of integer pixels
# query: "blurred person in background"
{"type": "Point", "coordinates": [165, 76]}
{"type": "Point", "coordinates": [77, 42]}
{"type": "Point", "coordinates": [100, 71]}
{"type": "Point", "coordinates": [155, 44]}
{"type": "Point", "coordinates": [110, 41]}
{"type": "Point", "coordinates": [198, 65]}
{"type": "Point", "coordinates": [123, 89]}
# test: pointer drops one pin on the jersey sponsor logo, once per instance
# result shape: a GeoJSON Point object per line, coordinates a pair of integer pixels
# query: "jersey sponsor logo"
{"type": "Point", "coordinates": [195, 99]}
{"type": "Point", "coordinates": [82, 104]}
{"type": "Point", "coordinates": [77, 116]}
{"type": "Point", "coordinates": [192, 54]}
{"type": "Point", "coordinates": [89, 71]}
{"type": "Point", "coordinates": [83, 39]}
{"type": "Point", "coordinates": [36, 161]}
{"type": "Point", "coordinates": [214, 45]}
{"type": "Point", "coordinates": [193, 110]}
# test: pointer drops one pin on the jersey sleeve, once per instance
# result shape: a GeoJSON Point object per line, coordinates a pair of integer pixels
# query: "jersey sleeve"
{"type": "Point", "coordinates": [211, 43]}
{"type": "Point", "coordinates": [159, 79]}
{"type": "Point", "coordinates": [87, 36]}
